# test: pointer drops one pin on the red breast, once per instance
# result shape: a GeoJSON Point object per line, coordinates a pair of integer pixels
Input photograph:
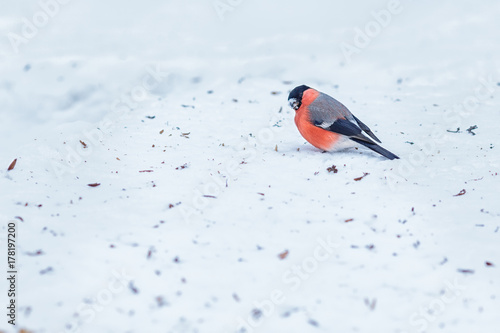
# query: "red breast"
{"type": "Point", "coordinates": [315, 135]}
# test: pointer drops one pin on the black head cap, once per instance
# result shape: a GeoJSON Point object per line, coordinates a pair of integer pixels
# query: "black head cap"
{"type": "Point", "coordinates": [295, 96]}
{"type": "Point", "coordinates": [297, 92]}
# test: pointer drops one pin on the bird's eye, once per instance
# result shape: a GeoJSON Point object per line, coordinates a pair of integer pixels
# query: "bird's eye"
{"type": "Point", "coordinates": [294, 103]}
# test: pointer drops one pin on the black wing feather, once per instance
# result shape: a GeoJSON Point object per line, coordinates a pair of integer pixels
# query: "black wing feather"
{"type": "Point", "coordinates": [344, 127]}
{"type": "Point", "coordinates": [366, 129]}
{"type": "Point", "coordinates": [351, 130]}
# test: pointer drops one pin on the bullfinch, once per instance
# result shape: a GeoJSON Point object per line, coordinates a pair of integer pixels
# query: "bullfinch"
{"type": "Point", "coordinates": [327, 124]}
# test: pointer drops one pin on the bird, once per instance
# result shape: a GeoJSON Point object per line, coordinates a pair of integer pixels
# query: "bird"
{"type": "Point", "coordinates": [328, 125]}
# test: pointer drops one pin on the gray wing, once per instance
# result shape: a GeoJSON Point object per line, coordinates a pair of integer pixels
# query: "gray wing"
{"type": "Point", "coordinates": [325, 110]}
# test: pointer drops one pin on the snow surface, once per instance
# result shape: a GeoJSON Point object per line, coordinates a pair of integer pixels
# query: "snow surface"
{"type": "Point", "coordinates": [213, 214]}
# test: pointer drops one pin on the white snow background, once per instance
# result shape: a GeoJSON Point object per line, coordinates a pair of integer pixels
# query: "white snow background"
{"type": "Point", "coordinates": [213, 214]}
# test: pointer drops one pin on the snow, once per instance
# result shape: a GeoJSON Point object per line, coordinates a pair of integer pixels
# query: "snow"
{"type": "Point", "coordinates": [213, 214]}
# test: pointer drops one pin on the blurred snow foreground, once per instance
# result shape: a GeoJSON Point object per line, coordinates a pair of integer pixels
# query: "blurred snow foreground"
{"type": "Point", "coordinates": [160, 184]}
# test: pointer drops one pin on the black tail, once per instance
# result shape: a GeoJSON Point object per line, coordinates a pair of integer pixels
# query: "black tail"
{"type": "Point", "coordinates": [376, 148]}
